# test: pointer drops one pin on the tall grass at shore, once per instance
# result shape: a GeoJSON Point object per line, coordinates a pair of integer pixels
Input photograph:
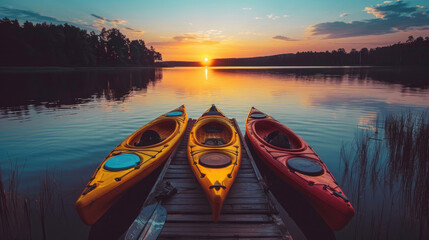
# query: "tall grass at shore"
{"type": "Point", "coordinates": [386, 175]}
{"type": "Point", "coordinates": [408, 143]}
{"type": "Point", "coordinates": [24, 216]}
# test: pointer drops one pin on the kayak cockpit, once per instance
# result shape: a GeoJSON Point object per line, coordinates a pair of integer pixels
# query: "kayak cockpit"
{"type": "Point", "coordinates": [277, 135]}
{"type": "Point", "coordinates": [154, 134]}
{"type": "Point", "coordinates": [213, 134]}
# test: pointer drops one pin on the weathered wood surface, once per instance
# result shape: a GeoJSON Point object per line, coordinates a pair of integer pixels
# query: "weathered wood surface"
{"type": "Point", "coordinates": [248, 211]}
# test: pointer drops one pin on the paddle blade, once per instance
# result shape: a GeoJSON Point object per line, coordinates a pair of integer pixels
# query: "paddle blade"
{"type": "Point", "coordinates": [148, 224]}
{"type": "Point", "coordinates": [156, 223]}
{"type": "Point", "coordinates": [140, 222]}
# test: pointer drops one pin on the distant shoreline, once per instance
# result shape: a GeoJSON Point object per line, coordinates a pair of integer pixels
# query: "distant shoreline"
{"type": "Point", "coordinates": [69, 69]}
{"type": "Point", "coordinates": [41, 69]}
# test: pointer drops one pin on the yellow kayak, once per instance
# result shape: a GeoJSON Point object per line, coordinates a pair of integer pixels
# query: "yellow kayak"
{"type": "Point", "coordinates": [130, 162]}
{"type": "Point", "coordinates": [214, 153]}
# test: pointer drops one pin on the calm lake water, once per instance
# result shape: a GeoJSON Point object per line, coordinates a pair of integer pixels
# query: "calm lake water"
{"type": "Point", "coordinates": [66, 122]}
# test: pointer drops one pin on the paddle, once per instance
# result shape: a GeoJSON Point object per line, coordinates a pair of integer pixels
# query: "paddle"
{"type": "Point", "coordinates": [149, 223]}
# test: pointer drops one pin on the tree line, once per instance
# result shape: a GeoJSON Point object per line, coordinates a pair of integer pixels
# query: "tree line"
{"type": "Point", "coordinates": [413, 52]}
{"type": "Point", "coordinates": [66, 45]}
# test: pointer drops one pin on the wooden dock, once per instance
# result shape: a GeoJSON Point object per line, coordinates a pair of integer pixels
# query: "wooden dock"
{"type": "Point", "coordinates": [249, 212]}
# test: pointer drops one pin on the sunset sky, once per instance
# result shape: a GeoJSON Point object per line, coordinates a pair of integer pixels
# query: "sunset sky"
{"type": "Point", "coordinates": [194, 30]}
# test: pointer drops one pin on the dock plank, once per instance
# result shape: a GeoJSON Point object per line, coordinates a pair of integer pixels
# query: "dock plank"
{"type": "Point", "coordinates": [230, 218]}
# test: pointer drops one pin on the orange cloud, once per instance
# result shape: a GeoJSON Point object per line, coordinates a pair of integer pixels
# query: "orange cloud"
{"type": "Point", "coordinates": [375, 11]}
{"type": "Point", "coordinates": [209, 37]}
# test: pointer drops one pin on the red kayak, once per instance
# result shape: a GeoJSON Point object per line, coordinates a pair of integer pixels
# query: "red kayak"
{"type": "Point", "coordinates": [291, 158]}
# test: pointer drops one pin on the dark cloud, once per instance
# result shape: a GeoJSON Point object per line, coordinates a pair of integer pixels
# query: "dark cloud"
{"type": "Point", "coordinates": [24, 15]}
{"type": "Point", "coordinates": [278, 37]}
{"type": "Point", "coordinates": [96, 16]}
{"type": "Point", "coordinates": [132, 29]}
{"type": "Point", "coordinates": [113, 21]}
{"type": "Point", "coordinates": [388, 9]}
{"type": "Point", "coordinates": [390, 18]}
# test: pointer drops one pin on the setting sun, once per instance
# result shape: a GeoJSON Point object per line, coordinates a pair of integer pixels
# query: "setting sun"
{"type": "Point", "coordinates": [206, 61]}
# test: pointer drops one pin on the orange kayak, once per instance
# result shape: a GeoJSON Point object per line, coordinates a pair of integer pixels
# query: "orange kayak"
{"type": "Point", "coordinates": [130, 162]}
{"type": "Point", "coordinates": [291, 158]}
{"type": "Point", "coordinates": [214, 153]}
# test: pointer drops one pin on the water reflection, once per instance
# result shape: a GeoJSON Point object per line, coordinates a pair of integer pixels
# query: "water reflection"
{"type": "Point", "coordinates": [408, 77]}
{"type": "Point", "coordinates": [64, 89]}
{"type": "Point", "coordinates": [18, 91]}
{"type": "Point", "coordinates": [73, 119]}
{"type": "Point", "coordinates": [331, 87]}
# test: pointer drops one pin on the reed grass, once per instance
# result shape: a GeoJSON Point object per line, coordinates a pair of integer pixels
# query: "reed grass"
{"type": "Point", "coordinates": [408, 141]}
{"type": "Point", "coordinates": [388, 178]}
{"type": "Point", "coordinates": [24, 216]}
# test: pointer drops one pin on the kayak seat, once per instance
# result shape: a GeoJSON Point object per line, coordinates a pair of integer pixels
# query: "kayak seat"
{"type": "Point", "coordinates": [276, 138]}
{"type": "Point", "coordinates": [213, 129]}
{"type": "Point", "coordinates": [214, 141]}
{"type": "Point", "coordinates": [149, 137]}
